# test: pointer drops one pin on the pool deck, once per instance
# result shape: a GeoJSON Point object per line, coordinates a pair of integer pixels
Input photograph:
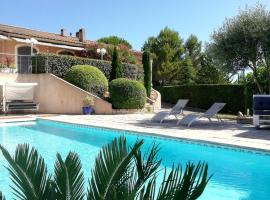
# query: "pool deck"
{"type": "Point", "coordinates": [227, 132]}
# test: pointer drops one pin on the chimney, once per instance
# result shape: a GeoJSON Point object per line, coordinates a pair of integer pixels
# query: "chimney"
{"type": "Point", "coordinates": [81, 35]}
{"type": "Point", "coordinates": [63, 32]}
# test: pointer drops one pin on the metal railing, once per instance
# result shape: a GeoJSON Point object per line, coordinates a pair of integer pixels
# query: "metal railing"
{"type": "Point", "coordinates": [14, 63]}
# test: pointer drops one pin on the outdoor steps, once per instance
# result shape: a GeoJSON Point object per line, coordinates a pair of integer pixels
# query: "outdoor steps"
{"type": "Point", "coordinates": [155, 99]}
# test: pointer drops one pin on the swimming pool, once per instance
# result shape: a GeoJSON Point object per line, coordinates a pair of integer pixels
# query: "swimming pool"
{"type": "Point", "coordinates": [238, 174]}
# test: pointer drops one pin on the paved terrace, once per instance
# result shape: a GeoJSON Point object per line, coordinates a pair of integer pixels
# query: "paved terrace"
{"type": "Point", "coordinates": [227, 132]}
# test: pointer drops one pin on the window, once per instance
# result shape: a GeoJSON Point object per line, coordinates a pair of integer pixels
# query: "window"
{"type": "Point", "coordinates": [24, 59]}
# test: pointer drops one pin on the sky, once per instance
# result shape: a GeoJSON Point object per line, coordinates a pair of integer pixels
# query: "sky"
{"type": "Point", "coordinates": [133, 20]}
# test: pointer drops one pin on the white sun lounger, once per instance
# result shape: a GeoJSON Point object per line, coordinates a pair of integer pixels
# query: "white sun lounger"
{"type": "Point", "coordinates": [210, 113]}
{"type": "Point", "coordinates": [19, 97]}
{"type": "Point", "coordinates": [176, 110]}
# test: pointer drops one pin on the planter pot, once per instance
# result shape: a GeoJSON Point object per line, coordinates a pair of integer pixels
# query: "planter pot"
{"type": "Point", "coordinates": [87, 110]}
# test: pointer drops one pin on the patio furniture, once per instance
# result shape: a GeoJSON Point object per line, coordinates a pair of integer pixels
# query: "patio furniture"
{"type": "Point", "coordinates": [210, 113]}
{"type": "Point", "coordinates": [19, 97]}
{"type": "Point", "coordinates": [261, 110]}
{"type": "Point", "coordinates": [176, 111]}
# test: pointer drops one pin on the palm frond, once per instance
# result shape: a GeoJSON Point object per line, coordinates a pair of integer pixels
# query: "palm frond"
{"type": "Point", "coordinates": [146, 168]}
{"type": "Point", "coordinates": [69, 179]}
{"type": "Point", "coordinates": [187, 185]}
{"type": "Point", "coordinates": [147, 164]}
{"type": "Point", "coordinates": [112, 170]}
{"type": "Point", "coordinates": [2, 197]}
{"type": "Point", "coordinates": [147, 192]}
{"type": "Point", "coordinates": [169, 183]}
{"type": "Point", "coordinates": [199, 179]}
{"type": "Point", "coordinates": [28, 172]}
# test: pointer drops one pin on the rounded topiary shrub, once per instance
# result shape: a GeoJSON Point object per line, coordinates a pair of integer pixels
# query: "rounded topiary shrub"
{"type": "Point", "coordinates": [88, 78]}
{"type": "Point", "coordinates": [127, 94]}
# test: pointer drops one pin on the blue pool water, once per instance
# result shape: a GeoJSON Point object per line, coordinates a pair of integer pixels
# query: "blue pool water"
{"type": "Point", "coordinates": [238, 174]}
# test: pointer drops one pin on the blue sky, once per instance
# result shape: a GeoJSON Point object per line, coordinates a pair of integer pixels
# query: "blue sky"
{"type": "Point", "coordinates": [132, 20]}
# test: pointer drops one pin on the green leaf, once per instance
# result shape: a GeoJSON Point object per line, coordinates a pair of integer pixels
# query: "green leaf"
{"type": "Point", "coordinates": [2, 197]}
{"type": "Point", "coordinates": [28, 173]}
{"type": "Point", "coordinates": [184, 185]}
{"type": "Point", "coordinates": [146, 166]}
{"type": "Point", "coordinates": [69, 177]}
{"type": "Point", "coordinates": [112, 171]}
{"type": "Point", "coordinates": [148, 190]}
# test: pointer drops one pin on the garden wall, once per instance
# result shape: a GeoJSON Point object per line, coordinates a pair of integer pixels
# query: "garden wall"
{"type": "Point", "coordinates": [57, 96]}
{"type": "Point", "coordinates": [203, 96]}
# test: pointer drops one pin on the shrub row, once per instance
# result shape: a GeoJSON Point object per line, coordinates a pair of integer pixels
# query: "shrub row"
{"type": "Point", "coordinates": [60, 64]}
{"type": "Point", "coordinates": [203, 96]}
{"type": "Point", "coordinates": [127, 94]}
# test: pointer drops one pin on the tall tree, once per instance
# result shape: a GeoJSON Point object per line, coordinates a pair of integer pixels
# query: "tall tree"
{"type": "Point", "coordinates": [186, 73]}
{"type": "Point", "coordinates": [115, 40]}
{"type": "Point", "coordinates": [193, 48]}
{"type": "Point", "coordinates": [168, 49]}
{"type": "Point", "coordinates": [266, 48]}
{"type": "Point", "coordinates": [208, 73]}
{"type": "Point", "coordinates": [117, 68]}
{"type": "Point", "coordinates": [239, 43]}
{"type": "Point", "coordinates": [147, 72]}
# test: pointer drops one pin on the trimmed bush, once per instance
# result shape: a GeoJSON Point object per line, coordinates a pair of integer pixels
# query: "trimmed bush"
{"type": "Point", "coordinates": [203, 96]}
{"type": "Point", "coordinates": [88, 78]}
{"type": "Point", "coordinates": [127, 94]}
{"type": "Point", "coordinates": [60, 64]}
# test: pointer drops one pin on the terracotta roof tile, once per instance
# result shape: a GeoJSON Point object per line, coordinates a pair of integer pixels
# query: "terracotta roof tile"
{"type": "Point", "coordinates": [41, 35]}
{"type": "Point", "coordinates": [20, 32]}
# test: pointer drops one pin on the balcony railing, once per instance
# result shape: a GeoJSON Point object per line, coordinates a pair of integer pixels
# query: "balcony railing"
{"type": "Point", "coordinates": [14, 63]}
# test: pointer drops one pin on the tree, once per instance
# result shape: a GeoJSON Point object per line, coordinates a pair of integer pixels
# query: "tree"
{"type": "Point", "coordinates": [193, 48]}
{"type": "Point", "coordinates": [117, 68]}
{"type": "Point", "coordinates": [262, 79]}
{"type": "Point", "coordinates": [120, 172]}
{"type": "Point", "coordinates": [116, 41]}
{"type": "Point", "coordinates": [208, 73]}
{"type": "Point", "coordinates": [266, 49]}
{"type": "Point", "coordinates": [239, 43]}
{"type": "Point", "coordinates": [186, 73]}
{"type": "Point", "coordinates": [167, 49]}
{"type": "Point", "coordinates": [147, 72]}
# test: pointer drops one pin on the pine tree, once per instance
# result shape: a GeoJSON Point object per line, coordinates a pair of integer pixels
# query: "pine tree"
{"type": "Point", "coordinates": [147, 72]}
{"type": "Point", "coordinates": [117, 68]}
{"type": "Point", "coordinates": [186, 73]}
{"type": "Point", "coordinates": [208, 73]}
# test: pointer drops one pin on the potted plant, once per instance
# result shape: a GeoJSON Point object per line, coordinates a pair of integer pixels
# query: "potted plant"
{"type": "Point", "coordinates": [88, 105]}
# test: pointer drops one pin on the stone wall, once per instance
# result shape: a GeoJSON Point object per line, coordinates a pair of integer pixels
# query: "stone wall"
{"type": "Point", "coordinates": [57, 96]}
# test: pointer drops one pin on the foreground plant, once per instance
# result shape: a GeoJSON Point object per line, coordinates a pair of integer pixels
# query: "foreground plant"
{"type": "Point", "coordinates": [120, 172]}
{"type": "Point", "coordinates": [1, 196]}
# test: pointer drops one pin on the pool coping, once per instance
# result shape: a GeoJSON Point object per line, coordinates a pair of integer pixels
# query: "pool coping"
{"type": "Point", "coordinates": [170, 137]}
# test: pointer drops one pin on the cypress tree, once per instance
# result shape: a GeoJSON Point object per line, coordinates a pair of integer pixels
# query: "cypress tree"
{"type": "Point", "coordinates": [117, 69]}
{"type": "Point", "coordinates": [147, 72]}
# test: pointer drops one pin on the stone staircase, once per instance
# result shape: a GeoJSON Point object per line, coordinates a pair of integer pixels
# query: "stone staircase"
{"type": "Point", "coordinates": [154, 102]}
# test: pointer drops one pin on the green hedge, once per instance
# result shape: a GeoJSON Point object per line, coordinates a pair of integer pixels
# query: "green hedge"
{"type": "Point", "coordinates": [127, 94]}
{"type": "Point", "coordinates": [203, 96]}
{"type": "Point", "coordinates": [88, 78]}
{"type": "Point", "coordinates": [60, 64]}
